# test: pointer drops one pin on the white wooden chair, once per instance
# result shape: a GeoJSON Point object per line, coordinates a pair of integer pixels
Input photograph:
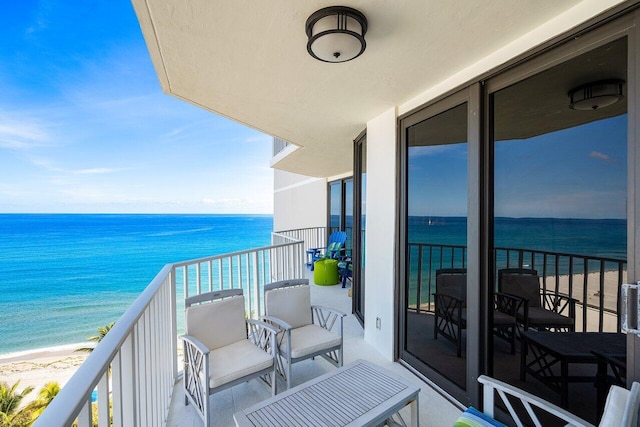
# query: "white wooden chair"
{"type": "Point", "coordinates": [305, 331]}
{"type": "Point", "coordinates": [621, 409]}
{"type": "Point", "coordinates": [222, 348]}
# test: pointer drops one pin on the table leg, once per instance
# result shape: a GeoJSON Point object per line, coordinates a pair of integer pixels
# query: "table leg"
{"type": "Point", "coordinates": [523, 358]}
{"type": "Point", "coordinates": [415, 413]}
{"type": "Point", "coordinates": [564, 384]}
{"type": "Point", "coordinates": [601, 386]}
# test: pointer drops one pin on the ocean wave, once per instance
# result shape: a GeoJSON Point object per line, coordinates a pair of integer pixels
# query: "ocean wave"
{"type": "Point", "coordinates": [26, 354]}
{"type": "Point", "coordinates": [178, 232]}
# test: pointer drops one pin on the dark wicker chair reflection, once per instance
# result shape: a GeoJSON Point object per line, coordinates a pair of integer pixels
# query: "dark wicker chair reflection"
{"type": "Point", "coordinates": [451, 309]}
{"type": "Point", "coordinates": [450, 305]}
{"type": "Point", "coordinates": [542, 310]}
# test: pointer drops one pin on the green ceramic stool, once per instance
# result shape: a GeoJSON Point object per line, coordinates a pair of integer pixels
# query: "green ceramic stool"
{"type": "Point", "coordinates": [325, 272]}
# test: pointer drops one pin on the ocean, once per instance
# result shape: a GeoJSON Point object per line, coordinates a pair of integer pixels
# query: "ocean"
{"type": "Point", "coordinates": [606, 238]}
{"type": "Point", "coordinates": [592, 238]}
{"type": "Point", "coordinates": [65, 275]}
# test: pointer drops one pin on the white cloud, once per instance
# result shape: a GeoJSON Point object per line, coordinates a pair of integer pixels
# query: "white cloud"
{"type": "Point", "coordinates": [430, 150]}
{"type": "Point", "coordinates": [95, 171]}
{"type": "Point", "coordinates": [22, 133]}
{"type": "Point", "coordinates": [601, 156]}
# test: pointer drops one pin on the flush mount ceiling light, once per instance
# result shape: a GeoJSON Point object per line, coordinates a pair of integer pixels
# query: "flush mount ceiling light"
{"type": "Point", "coordinates": [336, 34]}
{"type": "Point", "coordinates": [593, 96]}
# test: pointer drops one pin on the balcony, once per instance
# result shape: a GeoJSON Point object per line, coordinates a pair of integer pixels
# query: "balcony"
{"type": "Point", "coordinates": [136, 368]}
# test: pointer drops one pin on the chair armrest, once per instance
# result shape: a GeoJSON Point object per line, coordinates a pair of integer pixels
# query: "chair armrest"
{"type": "Point", "coordinates": [527, 399]}
{"type": "Point", "coordinates": [457, 301]}
{"type": "Point", "coordinates": [280, 325]}
{"type": "Point", "coordinates": [281, 343]}
{"type": "Point", "coordinates": [195, 371]}
{"type": "Point", "coordinates": [329, 309]}
{"type": "Point", "coordinates": [559, 302]}
{"type": "Point", "coordinates": [326, 317]}
{"type": "Point", "coordinates": [263, 325]}
{"type": "Point", "coordinates": [448, 307]}
{"type": "Point", "coordinates": [561, 296]}
{"type": "Point", "coordinates": [263, 335]}
{"type": "Point", "coordinates": [194, 343]}
{"type": "Point", "coordinates": [507, 303]}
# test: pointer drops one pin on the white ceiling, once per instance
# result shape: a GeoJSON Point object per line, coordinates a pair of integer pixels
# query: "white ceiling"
{"type": "Point", "coordinates": [247, 60]}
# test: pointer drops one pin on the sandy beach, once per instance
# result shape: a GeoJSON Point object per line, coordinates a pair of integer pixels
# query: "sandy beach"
{"type": "Point", "coordinates": [38, 367]}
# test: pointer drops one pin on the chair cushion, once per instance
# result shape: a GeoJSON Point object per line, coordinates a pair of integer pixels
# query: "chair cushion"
{"type": "Point", "coordinates": [631, 409]}
{"type": "Point", "coordinates": [526, 286]}
{"type": "Point", "coordinates": [503, 319]}
{"type": "Point", "coordinates": [235, 361]}
{"type": "Point", "coordinates": [474, 418]}
{"type": "Point", "coordinates": [291, 304]}
{"type": "Point", "coordinates": [454, 285]}
{"type": "Point", "coordinates": [310, 339]}
{"type": "Point", "coordinates": [540, 316]}
{"type": "Point", "coordinates": [217, 324]}
{"type": "Point", "coordinates": [615, 406]}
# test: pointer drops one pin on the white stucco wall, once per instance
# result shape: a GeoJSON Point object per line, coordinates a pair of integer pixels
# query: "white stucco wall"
{"type": "Point", "coordinates": [381, 232]}
{"type": "Point", "coordinates": [562, 23]}
{"type": "Point", "coordinates": [299, 201]}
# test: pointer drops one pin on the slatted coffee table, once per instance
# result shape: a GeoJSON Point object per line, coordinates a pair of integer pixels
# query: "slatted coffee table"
{"type": "Point", "coordinates": [359, 394]}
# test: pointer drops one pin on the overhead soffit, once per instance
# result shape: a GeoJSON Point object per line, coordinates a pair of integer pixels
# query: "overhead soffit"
{"type": "Point", "coordinates": [248, 61]}
{"type": "Point", "coordinates": [539, 104]}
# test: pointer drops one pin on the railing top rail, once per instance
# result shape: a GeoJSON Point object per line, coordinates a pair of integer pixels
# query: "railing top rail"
{"type": "Point", "coordinates": [284, 236]}
{"type": "Point", "coordinates": [437, 244]}
{"type": "Point", "coordinates": [232, 254]}
{"type": "Point", "coordinates": [537, 251]}
{"type": "Point", "coordinates": [300, 229]}
{"type": "Point", "coordinates": [589, 257]}
{"type": "Point", "coordinates": [66, 406]}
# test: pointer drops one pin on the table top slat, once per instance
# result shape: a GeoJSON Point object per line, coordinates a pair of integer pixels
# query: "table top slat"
{"type": "Point", "coordinates": [300, 403]}
{"type": "Point", "coordinates": [359, 391]}
{"type": "Point", "coordinates": [326, 411]}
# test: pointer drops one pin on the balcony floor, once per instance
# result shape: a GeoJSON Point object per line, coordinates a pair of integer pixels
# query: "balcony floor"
{"type": "Point", "coordinates": [225, 403]}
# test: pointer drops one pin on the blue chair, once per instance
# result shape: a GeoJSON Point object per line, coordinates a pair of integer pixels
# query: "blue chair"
{"type": "Point", "coordinates": [332, 250]}
{"type": "Point", "coordinates": [345, 270]}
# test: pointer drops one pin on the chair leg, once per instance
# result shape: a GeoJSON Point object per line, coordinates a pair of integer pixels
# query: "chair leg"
{"type": "Point", "coordinates": [274, 380]}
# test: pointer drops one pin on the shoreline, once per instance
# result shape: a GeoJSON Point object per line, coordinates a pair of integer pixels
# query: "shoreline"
{"type": "Point", "coordinates": [38, 353]}
{"type": "Point", "coordinates": [40, 366]}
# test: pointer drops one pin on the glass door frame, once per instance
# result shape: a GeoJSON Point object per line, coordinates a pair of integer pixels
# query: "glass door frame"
{"type": "Point", "coordinates": [471, 96]}
{"type": "Point", "coordinates": [625, 26]}
{"type": "Point", "coordinates": [357, 280]}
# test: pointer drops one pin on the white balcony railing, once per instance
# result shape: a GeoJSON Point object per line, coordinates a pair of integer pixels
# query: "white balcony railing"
{"type": "Point", "coordinates": [135, 367]}
{"type": "Point", "coordinates": [279, 145]}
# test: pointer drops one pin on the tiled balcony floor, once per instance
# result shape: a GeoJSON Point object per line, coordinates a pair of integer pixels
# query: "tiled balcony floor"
{"type": "Point", "coordinates": [435, 410]}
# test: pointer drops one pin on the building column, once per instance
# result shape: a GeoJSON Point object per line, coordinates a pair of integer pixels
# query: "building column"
{"type": "Point", "coordinates": [381, 240]}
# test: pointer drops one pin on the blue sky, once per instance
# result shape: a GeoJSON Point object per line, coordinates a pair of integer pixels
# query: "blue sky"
{"type": "Point", "coordinates": [85, 127]}
{"type": "Point", "coordinates": [580, 172]}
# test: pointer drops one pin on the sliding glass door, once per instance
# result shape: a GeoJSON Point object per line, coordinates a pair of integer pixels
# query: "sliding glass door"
{"type": "Point", "coordinates": [517, 213]}
{"type": "Point", "coordinates": [434, 284]}
{"type": "Point", "coordinates": [560, 224]}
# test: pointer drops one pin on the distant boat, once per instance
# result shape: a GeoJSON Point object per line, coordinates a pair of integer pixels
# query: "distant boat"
{"type": "Point", "coordinates": [430, 222]}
